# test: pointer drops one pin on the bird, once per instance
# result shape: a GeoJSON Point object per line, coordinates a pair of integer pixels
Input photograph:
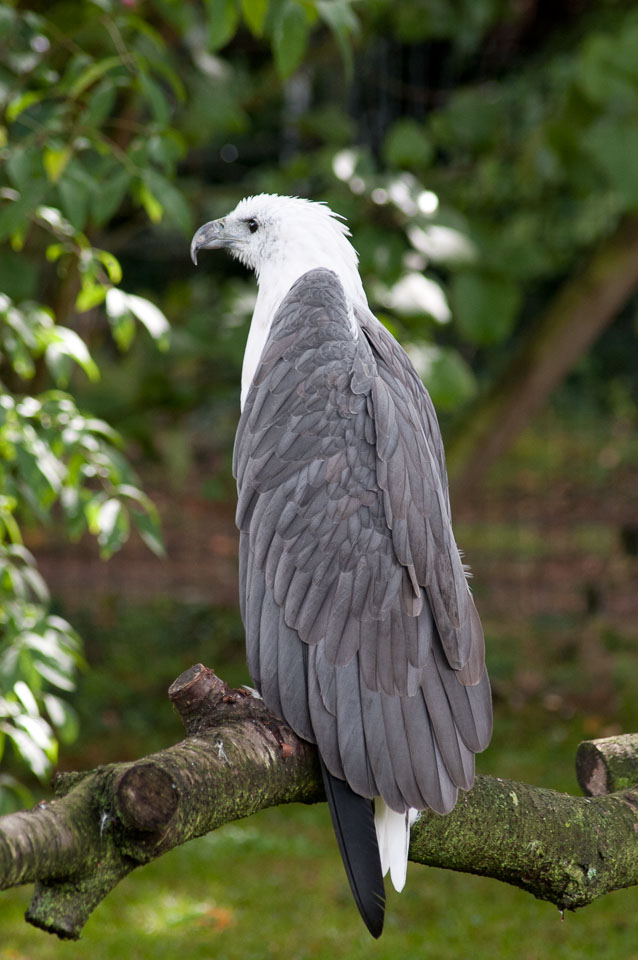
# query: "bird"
{"type": "Point", "coordinates": [361, 629]}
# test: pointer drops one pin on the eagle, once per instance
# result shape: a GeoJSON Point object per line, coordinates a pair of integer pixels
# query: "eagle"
{"type": "Point", "coordinates": [361, 630]}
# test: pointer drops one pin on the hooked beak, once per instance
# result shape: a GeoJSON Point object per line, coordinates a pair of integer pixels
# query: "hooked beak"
{"type": "Point", "coordinates": [211, 236]}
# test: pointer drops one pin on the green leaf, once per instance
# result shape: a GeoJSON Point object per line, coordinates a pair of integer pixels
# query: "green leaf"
{"type": "Point", "coordinates": [54, 218]}
{"type": "Point", "coordinates": [165, 149]}
{"type": "Point", "coordinates": [74, 190]}
{"type": "Point", "coordinates": [223, 19]}
{"type": "Point", "coordinates": [111, 263]}
{"type": "Point", "coordinates": [123, 328]}
{"type": "Point", "coordinates": [100, 104]}
{"type": "Point", "coordinates": [150, 533]}
{"type": "Point", "coordinates": [452, 382]}
{"type": "Point", "coordinates": [407, 145]}
{"type": "Point", "coordinates": [22, 102]}
{"type": "Point", "coordinates": [254, 13]}
{"type": "Point", "coordinates": [161, 66]}
{"type": "Point", "coordinates": [149, 32]}
{"type": "Point", "coordinates": [92, 73]}
{"type": "Point", "coordinates": [55, 677]}
{"type": "Point", "coordinates": [154, 95]}
{"type": "Point", "coordinates": [26, 698]}
{"type": "Point", "coordinates": [101, 427]}
{"type": "Point", "coordinates": [14, 213]}
{"type": "Point", "coordinates": [445, 373]}
{"type": "Point", "coordinates": [92, 512]}
{"type": "Point", "coordinates": [38, 463]}
{"type": "Point", "coordinates": [606, 68]}
{"type": "Point", "coordinates": [290, 38]}
{"type": "Point", "coordinates": [147, 520]}
{"type": "Point", "coordinates": [485, 306]}
{"type": "Point", "coordinates": [20, 551]}
{"type": "Point", "coordinates": [107, 199]}
{"type": "Point", "coordinates": [171, 201]}
{"type": "Point", "coordinates": [63, 718]}
{"type": "Point", "coordinates": [113, 526]}
{"type": "Point", "coordinates": [151, 204]}
{"type": "Point", "coordinates": [21, 360]}
{"type": "Point", "coordinates": [65, 342]}
{"type": "Point", "coordinates": [91, 294]}
{"type": "Point", "coordinates": [25, 324]}
{"type": "Point", "coordinates": [59, 366]}
{"type": "Point", "coordinates": [24, 165]}
{"type": "Point", "coordinates": [11, 526]}
{"type": "Point", "coordinates": [55, 161]}
{"type": "Point", "coordinates": [54, 251]}
{"type": "Point", "coordinates": [149, 315]}
{"type": "Point", "coordinates": [340, 18]}
{"type": "Point", "coordinates": [35, 758]}
{"type": "Point", "coordinates": [37, 584]}
{"type": "Point", "coordinates": [39, 731]}
{"type": "Point", "coordinates": [120, 304]}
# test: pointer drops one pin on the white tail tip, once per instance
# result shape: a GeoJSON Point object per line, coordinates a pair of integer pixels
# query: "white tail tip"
{"type": "Point", "coordinates": [393, 837]}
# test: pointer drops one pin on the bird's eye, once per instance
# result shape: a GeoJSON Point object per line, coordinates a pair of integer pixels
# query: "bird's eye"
{"type": "Point", "coordinates": [253, 226]}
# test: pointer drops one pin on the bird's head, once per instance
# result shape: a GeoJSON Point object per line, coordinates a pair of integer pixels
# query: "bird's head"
{"type": "Point", "coordinates": [273, 235]}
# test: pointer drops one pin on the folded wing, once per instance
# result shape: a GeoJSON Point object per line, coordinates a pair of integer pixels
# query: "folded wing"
{"type": "Point", "coordinates": [361, 631]}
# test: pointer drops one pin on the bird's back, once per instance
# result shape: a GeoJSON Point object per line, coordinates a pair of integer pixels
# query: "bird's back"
{"type": "Point", "coordinates": [361, 631]}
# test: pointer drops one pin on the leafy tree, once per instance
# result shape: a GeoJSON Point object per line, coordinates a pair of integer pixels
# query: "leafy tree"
{"type": "Point", "coordinates": [55, 458]}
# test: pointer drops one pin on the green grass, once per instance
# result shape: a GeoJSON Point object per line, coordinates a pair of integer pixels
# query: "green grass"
{"type": "Point", "coordinates": [272, 888]}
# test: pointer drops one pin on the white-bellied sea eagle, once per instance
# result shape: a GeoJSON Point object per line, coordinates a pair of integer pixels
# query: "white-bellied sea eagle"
{"type": "Point", "coordinates": [361, 632]}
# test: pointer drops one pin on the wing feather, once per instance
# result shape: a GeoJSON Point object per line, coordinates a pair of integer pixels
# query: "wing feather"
{"type": "Point", "coordinates": [350, 731]}
{"type": "Point", "coordinates": [361, 631]}
{"type": "Point", "coordinates": [377, 745]}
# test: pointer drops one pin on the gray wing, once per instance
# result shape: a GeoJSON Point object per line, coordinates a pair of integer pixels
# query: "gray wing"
{"type": "Point", "coordinates": [361, 631]}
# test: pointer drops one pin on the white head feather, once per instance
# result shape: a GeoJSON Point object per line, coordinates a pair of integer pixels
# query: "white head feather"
{"type": "Point", "coordinates": [291, 236]}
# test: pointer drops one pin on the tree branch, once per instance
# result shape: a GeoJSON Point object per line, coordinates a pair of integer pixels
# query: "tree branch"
{"type": "Point", "coordinates": [604, 766]}
{"type": "Point", "coordinates": [238, 758]}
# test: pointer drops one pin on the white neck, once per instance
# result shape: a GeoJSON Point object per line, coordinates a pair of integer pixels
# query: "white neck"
{"type": "Point", "coordinates": [275, 280]}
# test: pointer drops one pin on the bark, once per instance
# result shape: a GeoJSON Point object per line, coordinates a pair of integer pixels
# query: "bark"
{"type": "Point", "coordinates": [576, 317]}
{"type": "Point", "coordinates": [238, 758]}
{"type": "Point", "coordinates": [605, 766]}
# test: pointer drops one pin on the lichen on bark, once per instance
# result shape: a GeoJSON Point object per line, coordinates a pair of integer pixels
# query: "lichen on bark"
{"type": "Point", "coordinates": [238, 758]}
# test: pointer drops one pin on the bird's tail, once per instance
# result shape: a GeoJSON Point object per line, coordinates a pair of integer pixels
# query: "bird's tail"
{"type": "Point", "coordinates": [393, 837]}
{"type": "Point", "coordinates": [353, 822]}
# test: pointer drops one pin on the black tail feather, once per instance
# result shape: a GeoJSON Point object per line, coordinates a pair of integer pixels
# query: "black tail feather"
{"type": "Point", "coordinates": [353, 822]}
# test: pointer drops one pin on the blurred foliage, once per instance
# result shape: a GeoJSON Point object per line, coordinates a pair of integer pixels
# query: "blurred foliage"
{"type": "Point", "coordinates": [478, 149]}
{"type": "Point", "coordinates": [56, 461]}
{"type": "Point", "coordinates": [52, 455]}
{"type": "Point", "coordinates": [474, 148]}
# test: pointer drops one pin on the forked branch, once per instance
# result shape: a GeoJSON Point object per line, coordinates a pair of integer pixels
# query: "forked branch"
{"type": "Point", "coordinates": [238, 758]}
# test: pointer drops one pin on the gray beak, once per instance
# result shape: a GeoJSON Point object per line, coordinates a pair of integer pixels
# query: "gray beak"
{"type": "Point", "coordinates": [211, 236]}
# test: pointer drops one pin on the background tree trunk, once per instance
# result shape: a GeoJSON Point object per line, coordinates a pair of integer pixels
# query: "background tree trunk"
{"type": "Point", "coordinates": [574, 319]}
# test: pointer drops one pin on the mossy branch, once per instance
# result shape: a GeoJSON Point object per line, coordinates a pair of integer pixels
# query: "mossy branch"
{"type": "Point", "coordinates": [238, 758]}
